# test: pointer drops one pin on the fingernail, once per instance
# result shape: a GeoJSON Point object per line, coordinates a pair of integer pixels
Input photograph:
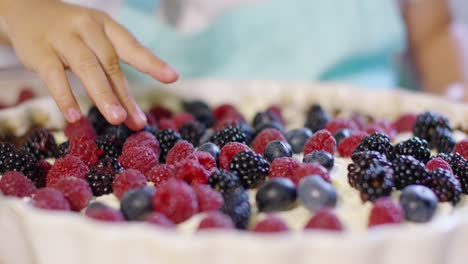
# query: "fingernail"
{"type": "Point", "coordinates": [72, 115]}
{"type": "Point", "coordinates": [116, 112]}
{"type": "Point", "coordinates": [142, 115]}
{"type": "Point", "coordinates": [170, 71]}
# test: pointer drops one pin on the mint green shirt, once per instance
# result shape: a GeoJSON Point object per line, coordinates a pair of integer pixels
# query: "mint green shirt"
{"type": "Point", "coordinates": [356, 41]}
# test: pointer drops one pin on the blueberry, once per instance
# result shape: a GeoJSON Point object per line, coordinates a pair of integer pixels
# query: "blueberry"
{"type": "Point", "coordinates": [277, 149]}
{"type": "Point", "coordinates": [211, 148]}
{"type": "Point", "coordinates": [263, 120]}
{"type": "Point", "coordinates": [278, 194]}
{"type": "Point", "coordinates": [315, 193]}
{"type": "Point", "coordinates": [206, 137]}
{"type": "Point", "coordinates": [342, 134]}
{"type": "Point", "coordinates": [419, 203]}
{"type": "Point", "coordinates": [321, 157]}
{"type": "Point", "coordinates": [201, 111]}
{"type": "Point", "coordinates": [136, 203]}
{"type": "Point", "coordinates": [297, 138]}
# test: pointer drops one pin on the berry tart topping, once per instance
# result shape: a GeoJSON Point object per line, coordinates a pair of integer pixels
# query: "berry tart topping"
{"type": "Point", "coordinates": [419, 203]}
{"type": "Point", "coordinates": [167, 139]}
{"type": "Point", "coordinates": [278, 194]}
{"type": "Point", "coordinates": [277, 149]}
{"type": "Point", "coordinates": [321, 157]}
{"type": "Point", "coordinates": [416, 147]}
{"type": "Point", "coordinates": [266, 136]}
{"type": "Point", "coordinates": [283, 167]}
{"type": "Point", "coordinates": [427, 123]}
{"type": "Point", "coordinates": [250, 167]}
{"type": "Point", "coordinates": [227, 135]}
{"type": "Point", "coordinates": [101, 176]}
{"type": "Point", "coordinates": [409, 170]}
{"type": "Point", "coordinates": [127, 180]}
{"type": "Point", "coordinates": [41, 144]}
{"type": "Point", "coordinates": [377, 142]}
{"type": "Point", "coordinates": [216, 220]}
{"type": "Point", "coordinates": [14, 183]}
{"type": "Point", "coordinates": [385, 212]}
{"type": "Point", "coordinates": [50, 199]}
{"type": "Point", "coordinates": [297, 139]}
{"type": "Point", "coordinates": [137, 204]}
{"type": "Point", "coordinates": [208, 199]}
{"type": "Point", "coordinates": [76, 191]}
{"type": "Point", "coordinates": [324, 219]}
{"type": "Point", "coordinates": [224, 181]}
{"type": "Point", "coordinates": [316, 118]}
{"type": "Point", "coordinates": [271, 224]}
{"type": "Point", "coordinates": [446, 186]}
{"type": "Point", "coordinates": [176, 199]}
{"type": "Point", "coordinates": [321, 140]}
{"type": "Point", "coordinates": [315, 193]}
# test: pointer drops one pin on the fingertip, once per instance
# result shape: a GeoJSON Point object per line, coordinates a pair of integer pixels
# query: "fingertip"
{"type": "Point", "coordinates": [137, 121]}
{"type": "Point", "coordinates": [115, 114]}
{"type": "Point", "coordinates": [167, 74]}
{"type": "Point", "coordinates": [72, 115]}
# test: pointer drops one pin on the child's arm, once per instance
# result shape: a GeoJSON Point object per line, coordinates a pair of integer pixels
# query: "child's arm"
{"type": "Point", "coordinates": [438, 45]}
{"type": "Point", "coordinates": [50, 36]}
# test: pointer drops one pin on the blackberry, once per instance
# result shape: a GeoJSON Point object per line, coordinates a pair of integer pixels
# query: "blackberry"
{"type": "Point", "coordinates": [98, 121]}
{"type": "Point", "coordinates": [6, 149]}
{"type": "Point", "coordinates": [201, 111]}
{"type": "Point", "coordinates": [375, 182]}
{"type": "Point", "coordinates": [228, 134]}
{"type": "Point", "coordinates": [251, 168]}
{"type": "Point", "coordinates": [121, 132]}
{"type": "Point", "coordinates": [446, 186]}
{"type": "Point", "coordinates": [426, 124]}
{"type": "Point", "coordinates": [223, 181]}
{"type": "Point", "coordinates": [110, 144]}
{"type": "Point", "coordinates": [62, 149]}
{"type": "Point", "coordinates": [21, 161]}
{"type": "Point", "coordinates": [378, 142]}
{"type": "Point", "coordinates": [101, 176]}
{"type": "Point", "coordinates": [408, 171]}
{"type": "Point", "coordinates": [316, 118]}
{"type": "Point", "coordinates": [236, 205]}
{"type": "Point", "coordinates": [459, 167]}
{"type": "Point", "coordinates": [416, 147]}
{"type": "Point", "coordinates": [167, 139]}
{"type": "Point", "coordinates": [363, 161]}
{"type": "Point", "coordinates": [192, 132]}
{"type": "Point", "coordinates": [41, 144]}
{"type": "Point", "coordinates": [442, 140]}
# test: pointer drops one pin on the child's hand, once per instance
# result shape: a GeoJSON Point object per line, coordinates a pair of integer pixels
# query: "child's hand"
{"type": "Point", "coordinates": [50, 36]}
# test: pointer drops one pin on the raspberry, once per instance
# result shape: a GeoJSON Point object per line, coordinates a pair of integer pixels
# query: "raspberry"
{"type": "Point", "coordinates": [167, 139]}
{"type": "Point", "coordinates": [349, 144]}
{"type": "Point", "coordinates": [340, 123]}
{"type": "Point", "coordinates": [159, 112]}
{"type": "Point", "coordinates": [384, 127]}
{"type": "Point", "coordinates": [462, 148]}
{"type": "Point", "coordinates": [229, 151]}
{"type": "Point", "coordinates": [316, 118]}
{"type": "Point", "coordinates": [191, 171]}
{"type": "Point", "coordinates": [266, 136]}
{"type": "Point", "coordinates": [307, 169]}
{"type": "Point", "coordinates": [205, 159]}
{"type": "Point", "coordinates": [251, 168]}
{"type": "Point", "coordinates": [271, 224]}
{"type": "Point", "coordinates": [50, 199]}
{"type": "Point", "coordinates": [283, 167]}
{"type": "Point", "coordinates": [166, 123]}
{"type": "Point", "coordinates": [216, 220]}
{"type": "Point", "coordinates": [101, 212]}
{"type": "Point", "coordinates": [182, 118]}
{"type": "Point", "coordinates": [81, 128]}
{"type": "Point", "coordinates": [86, 150]}
{"type": "Point", "coordinates": [16, 184]}
{"type": "Point", "coordinates": [276, 110]}
{"type": "Point", "coordinates": [101, 176]}
{"type": "Point", "coordinates": [192, 132]}
{"type": "Point", "coordinates": [142, 139]}
{"type": "Point", "coordinates": [228, 134]}
{"type": "Point", "coordinates": [320, 140]}
{"type": "Point", "coordinates": [160, 173]}
{"type": "Point", "coordinates": [64, 167]}
{"type": "Point", "coordinates": [160, 220]}
{"type": "Point", "coordinates": [181, 150]}
{"type": "Point", "coordinates": [25, 94]}
{"type": "Point", "coordinates": [127, 180]}
{"type": "Point", "coordinates": [208, 199]}
{"type": "Point", "coordinates": [224, 110]}
{"type": "Point", "coordinates": [176, 199]}
{"type": "Point", "coordinates": [76, 191]}
{"type": "Point", "coordinates": [438, 163]}
{"type": "Point", "coordinates": [324, 219]}
{"type": "Point", "coordinates": [405, 122]}
{"type": "Point", "coordinates": [376, 142]}
{"type": "Point", "coordinates": [139, 158]}
{"type": "Point", "coordinates": [385, 211]}
{"type": "Point", "coordinates": [41, 144]}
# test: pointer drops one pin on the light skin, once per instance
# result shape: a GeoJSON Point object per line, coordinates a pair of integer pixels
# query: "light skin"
{"type": "Point", "coordinates": [50, 36]}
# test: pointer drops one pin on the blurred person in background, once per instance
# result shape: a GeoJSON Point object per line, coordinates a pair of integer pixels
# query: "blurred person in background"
{"type": "Point", "coordinates": [415, 44]}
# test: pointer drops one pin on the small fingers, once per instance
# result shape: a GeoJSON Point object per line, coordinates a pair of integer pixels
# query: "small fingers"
{"type": "Point", "coordinates": [98, 42]}
{"type": "Point", "coordinates": [135, 54]}
{"type": "Point", "coordinates": [85, 65]}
